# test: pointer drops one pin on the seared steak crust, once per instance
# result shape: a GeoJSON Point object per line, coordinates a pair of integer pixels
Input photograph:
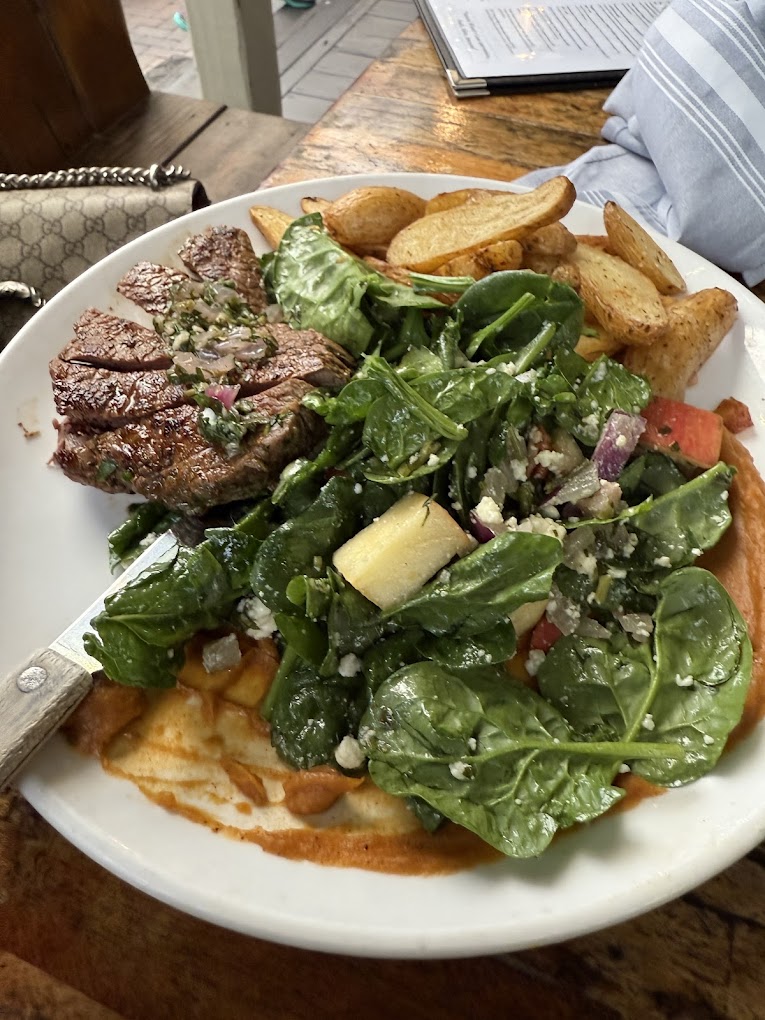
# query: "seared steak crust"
{"type": "Point", "coordinates": [149, 285]}
{"type": "Point", "coordinates": [106, 341]}
{"type": "Point", "coordinates": [100, 398]}
{"type": "Point", "coordinates": [166, 458]}
{"type": "Point", "coordinates": [226, 253]}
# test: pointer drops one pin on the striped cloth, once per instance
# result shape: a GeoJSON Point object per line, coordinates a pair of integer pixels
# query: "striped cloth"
{"type": "Point", "coordinates": [687, 134]}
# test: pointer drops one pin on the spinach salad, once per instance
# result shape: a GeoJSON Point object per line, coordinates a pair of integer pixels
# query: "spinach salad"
{"type": "Point", "coordinates": [479, 411]}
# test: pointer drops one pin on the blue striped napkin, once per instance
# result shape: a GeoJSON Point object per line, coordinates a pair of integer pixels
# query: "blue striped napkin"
{"type": "Point", "coordinates": [687, 134]}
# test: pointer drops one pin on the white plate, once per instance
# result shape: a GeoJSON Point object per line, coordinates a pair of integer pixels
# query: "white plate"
{"type": "Point", "coordinates": [53, 562]}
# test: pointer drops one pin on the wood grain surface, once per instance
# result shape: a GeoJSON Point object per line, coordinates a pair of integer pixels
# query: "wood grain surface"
{"type": "Point", "coordinates": [76, 941]}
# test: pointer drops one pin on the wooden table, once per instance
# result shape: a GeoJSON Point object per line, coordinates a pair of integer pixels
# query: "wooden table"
{"type": "Point", "coordinates": [75, 942]}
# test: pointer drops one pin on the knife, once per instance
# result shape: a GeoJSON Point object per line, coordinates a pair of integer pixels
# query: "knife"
{"type": "Point", "coordinates": [42, 692]}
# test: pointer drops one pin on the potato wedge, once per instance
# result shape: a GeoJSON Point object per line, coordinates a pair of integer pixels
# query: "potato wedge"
{"type": "Point", "coordinates": [633, 244]}
{"type": "Point", "coordinates": [591, 347]}
{"type": "Point", "coordinates": [432, 240]}
{"type": "Point", "coordinates": [492, 259]}
{"type": "Point", "coordinates": [623, 301]}
{"type": "Point", "coordinates": [697, 324]}
{"type": "Point", "coordinates": [596, 241]}
{"type": "Point", "coordinates": [366, 219]}
{"type": "Point", "coordinates": [554, 239]}
{"type": "Point", "coordinates": [270, 222]}
{"type": "Point", "coordinates": [312, 205]}
{"type": "Point", "coordinates": [451, 199]}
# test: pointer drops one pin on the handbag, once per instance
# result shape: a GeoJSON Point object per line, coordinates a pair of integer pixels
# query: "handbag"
{"type": "Point", "coordinates": [55, 225]}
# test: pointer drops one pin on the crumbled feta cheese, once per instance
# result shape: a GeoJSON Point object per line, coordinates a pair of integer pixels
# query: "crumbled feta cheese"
{"type": "Point", "coordinates": [621, 441]}
{"type": "Point", "coordinates": [708, 740]}
{"type": "Point", "coordinates": [490, 371]}
{"type": "Point", "coordinates": [261, 616]}
{"type": "Point", "coordinates": [630, 544]}
{"type": "Point", "coordinates": [488, 512]}
{"type": "Point", "coordinates": [591, 421]}
{"type": "Point", "coordinates": [349, 665]}
{"type": "Point", "coordinates": [695, 552]}
{"type": "Point", "coordinates": [384, 458]}
{"type": "Point", "coordinates": [432, 460]}
{"type": "Point", "coordinates": [472, 471]}
{"type": "Point", "coordinates": [528, 377]}
{"type": "Point", "coordinates": [583, 562]}
{"type": "Point", "coordinates": [349, 754]}
{"type": "Point", "coordinates": [551, 459]}
{"type": "Point", "coordinates": [519, 469]}
{"type": "Point", "coordinates": [535, 659]}
{"type": "Point", "coordinates": [648, 723]}
{"type": "Point", "coordinates": [508, 367]}
{"type": "Point", "coordinates": [600, 372]}
{"type": "Point", "coordinates": [624, 767]}
{"type": "Point", "coordinates": [472, 743]}
{"type": "Point", "coordinates": [460, 769]}
{"type": "Point", "coordinates": [536, 524]}
{"type": "Point", "coordinates": [550, 511]}
{"type": "Point", "coordinates": [208, 414]}
{"type": "Point", "coordinates": [221, 654]}
{"type": "Point", "coordinates": [662, 561]}
{"type": "Point", "coordinates": [616, 572]}
{"type": "Point", "coordinates": [684, 681]}
{"type": "Point", "coordinates": [358, 488]}
{"type": "Point", "coordinates": [318, 563]}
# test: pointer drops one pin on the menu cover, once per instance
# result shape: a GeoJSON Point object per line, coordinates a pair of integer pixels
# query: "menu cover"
{"type": "Point", "coordinates": [515, 46]}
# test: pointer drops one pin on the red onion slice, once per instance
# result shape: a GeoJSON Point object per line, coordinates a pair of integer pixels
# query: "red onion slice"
{"type": "Point", "coordinates": [226, 394]}
{"type": "Point", "coordinates": [616, 444]}
{"type": "Point", "coordinates": [481, 531]}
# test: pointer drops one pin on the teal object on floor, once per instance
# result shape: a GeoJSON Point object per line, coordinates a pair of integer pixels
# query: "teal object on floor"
{"type": "Point", "coordinates": [299, 4]}
{"type": "Point", "coordinates": [180, 21]}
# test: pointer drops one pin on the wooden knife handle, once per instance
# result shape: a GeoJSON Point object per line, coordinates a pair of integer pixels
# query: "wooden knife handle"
{"type": "Point", "coordinates": [34, 700]}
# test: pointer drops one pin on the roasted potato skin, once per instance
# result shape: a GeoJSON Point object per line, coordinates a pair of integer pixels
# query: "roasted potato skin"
{"type": "Point", "coordinates": [631, 242]}
{"type": "Point", "coordinates": [432, 240]}
{"type": "Point", "coordinates": [366, 219]}
{"type": "Point", "coordinates": [696, 325]}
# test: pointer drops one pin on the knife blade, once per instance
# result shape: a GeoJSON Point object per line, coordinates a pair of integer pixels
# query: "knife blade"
{"type": "Point", "coordinates": [39, 695]}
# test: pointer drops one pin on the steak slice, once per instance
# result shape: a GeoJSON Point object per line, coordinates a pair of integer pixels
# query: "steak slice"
{"type": "Point", "coordinates": [149, 285]}
{"type": "Point", "coordinates": [166, 458]}
{"type": "Point", "coordinates": [300, 354]}
{"type": "Point", "coordinates": [106, 341]}
{"type": "Point", "coordinates": [226, 253]}
{"type": "Point", "coordinates": [100, 398]}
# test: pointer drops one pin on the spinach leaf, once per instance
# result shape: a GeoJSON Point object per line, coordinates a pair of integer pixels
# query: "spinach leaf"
{"type": "Point", "coordinates": [482, 589]}
{"type": "Point", "coordinates": [140, 634]}
{"type": "Point", "coordinates": [303, 545]}
{"type": "Point", "coordinates": [145, 521]}
{"type": "Point", "coordinates": [310, 714]}
{"type": "Point", "coordinates": [687, 691]}
{"type": "Point", "coordinates": [674, 529]}
{"type": "Point", "coordinates": [486, 752]}
{"type": "Point", "coordinates": [320, 286]}
{"type": "Point", "coordinates": [483, 305]}
{"type": "Point", "coordinates": [605, 386]}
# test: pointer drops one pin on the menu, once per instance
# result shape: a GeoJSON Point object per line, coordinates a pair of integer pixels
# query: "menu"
{"type": "Point", "coordinates": [496, 45]}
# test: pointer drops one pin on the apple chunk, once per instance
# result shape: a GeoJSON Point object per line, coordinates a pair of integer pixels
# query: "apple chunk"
{"type": "Point", "coordinates": [393, 557]}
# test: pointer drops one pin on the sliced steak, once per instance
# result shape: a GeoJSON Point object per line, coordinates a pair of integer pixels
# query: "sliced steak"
{"type": "Point", "coordinates": [225, 253]}
{"type": "Point", "coordinates": [166, 458]}
{"type": "Point", "coordinates": [149, 285]}
{"type": "Point", "coordinates": [100, 398]}
{"type": "Point", "coordinates": [300, 354]}
{"type": "Point", "coordinates": [106, 341]}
